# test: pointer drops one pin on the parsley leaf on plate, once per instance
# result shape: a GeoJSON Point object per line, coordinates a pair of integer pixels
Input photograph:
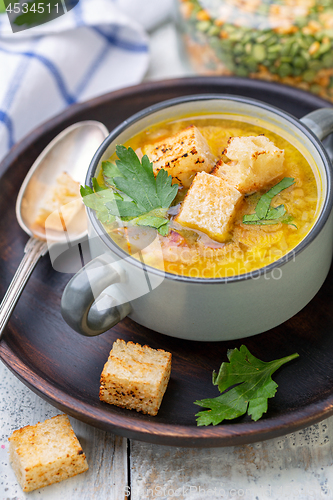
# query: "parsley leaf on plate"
{"type": "Point", "coordinates": [135, 193]}
{"type": "Point", "coordinates": [245, 383]}
{"type": "Point", "coordinates": [264, 213]}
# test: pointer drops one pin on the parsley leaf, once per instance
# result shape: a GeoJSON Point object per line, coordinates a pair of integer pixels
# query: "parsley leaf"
{"type": "Point", "coordinates": [135, 193]}
{"type": "Point", "coordinates": [166, 193]}
{"type": "Point", "coordinates": [97, 199]}
{"type": "Point", "coordinates": [156, 218]}
{"type": "Point", "coordinates": [110, 170]}
{"type": "Point", "coordinates": [245, 383]}
{"type": "Point", "coordinates": [138, 181]}
{"type": "Point", "coordinates": [264, 213]}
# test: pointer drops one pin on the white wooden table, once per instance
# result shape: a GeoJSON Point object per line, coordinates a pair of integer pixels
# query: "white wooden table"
{"type": "Point", "coordinates": [297, 466]}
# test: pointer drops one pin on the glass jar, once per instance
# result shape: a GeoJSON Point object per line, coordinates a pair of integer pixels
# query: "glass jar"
{"type": "Point", "coordinates": [287, 41]}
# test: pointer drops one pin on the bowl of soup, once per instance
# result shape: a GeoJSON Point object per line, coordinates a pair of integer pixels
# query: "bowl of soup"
{"type": "Point", "coordinates": [210, 218]}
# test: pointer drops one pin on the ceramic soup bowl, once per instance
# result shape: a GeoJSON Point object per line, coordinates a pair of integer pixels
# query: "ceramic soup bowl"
{"type": "Point", "coordinates": [114, 284]}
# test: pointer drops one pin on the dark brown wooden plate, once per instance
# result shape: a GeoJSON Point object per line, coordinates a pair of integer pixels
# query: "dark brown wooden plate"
{"type": "Point", "coordinates": [64, 368]}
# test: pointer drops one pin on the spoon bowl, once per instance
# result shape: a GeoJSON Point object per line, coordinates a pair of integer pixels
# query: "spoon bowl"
{"type": "Point", "coordinates": [71, 151]}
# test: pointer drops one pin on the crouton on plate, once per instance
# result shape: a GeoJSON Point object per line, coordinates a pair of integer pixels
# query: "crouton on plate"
{"type": "Point", "coordinates": [135, 377]}
{"type": "Point", "coordinates": [210, 206]}
{"type": "Point", "coordinates": [254, 162]}
{"type": "Point", "coordinates": [46, 453]}
{"type": "Point", "coordinates": [181, 155]}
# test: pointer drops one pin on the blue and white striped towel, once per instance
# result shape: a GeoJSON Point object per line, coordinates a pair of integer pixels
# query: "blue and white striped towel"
{"type": "Point", "coordinates": [97, 47]}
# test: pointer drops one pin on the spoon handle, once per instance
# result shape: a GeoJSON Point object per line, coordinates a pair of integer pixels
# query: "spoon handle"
{"type": "Point", "coordinates": [33, 250]}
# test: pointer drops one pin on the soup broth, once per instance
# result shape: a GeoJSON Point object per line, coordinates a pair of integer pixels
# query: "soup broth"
{"type": "Point", "coordinates": [193, 253]}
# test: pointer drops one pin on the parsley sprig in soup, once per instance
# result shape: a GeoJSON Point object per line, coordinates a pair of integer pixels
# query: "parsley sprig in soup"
{"type": "Point", "coordinates": [225, 197]}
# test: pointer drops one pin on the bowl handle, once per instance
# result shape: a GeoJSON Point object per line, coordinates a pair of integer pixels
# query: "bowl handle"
{"type": "Point", "coordinates": [86, 305]}
{"type": "Point", "coordinates": [320, 122]}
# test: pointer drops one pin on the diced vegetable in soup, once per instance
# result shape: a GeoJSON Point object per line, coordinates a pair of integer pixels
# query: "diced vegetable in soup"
{"type": "Point", "coordinates": [223, 196]}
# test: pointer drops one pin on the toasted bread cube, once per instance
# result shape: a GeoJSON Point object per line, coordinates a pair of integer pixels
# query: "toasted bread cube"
{"type": "Point", "coordinates": [181, 155]}
{"type": "Point", "coordinates": [60, 205]}
{"type": "Point", "coordinates": [66, 189]}
{"type": "Point", "coordinates": [210, 206]}
{"type": "Point", "coordinates": [255, 162]}
{"type": "Point", "coordinates": [135, 377]}
{"type": "Point", "coordinates": [46, 453]}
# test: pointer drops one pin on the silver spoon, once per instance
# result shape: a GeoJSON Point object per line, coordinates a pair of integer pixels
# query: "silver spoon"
{"type": "Point", "coordinates": [71, 151]}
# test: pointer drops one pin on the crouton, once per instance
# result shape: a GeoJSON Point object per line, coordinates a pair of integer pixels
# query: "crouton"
{"type": "Point", "coordinates": [181, 155]}
{"type": "Point", "coordinates": [135, 377]}
{"type": "Point", "coordinates": [46, 453]}
{"type": "Point", "coordinates": [255, 162]}
{"type": "Point", "coordinates": [210, 206]}
{"type": "Point", "coordinates": [60, 205]}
